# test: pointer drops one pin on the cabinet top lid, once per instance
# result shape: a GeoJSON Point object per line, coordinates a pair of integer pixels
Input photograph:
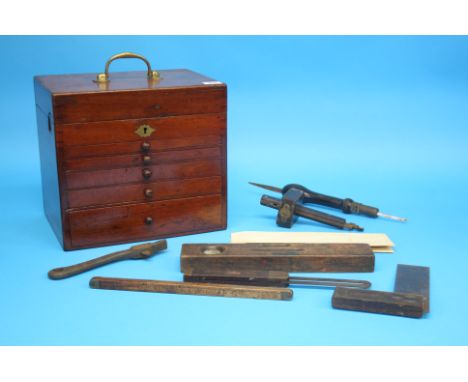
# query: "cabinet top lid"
{"type": "Point", "coordinates": [124, 81]}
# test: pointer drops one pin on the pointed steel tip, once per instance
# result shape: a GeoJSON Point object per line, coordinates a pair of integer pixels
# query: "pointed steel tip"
{"type": "Point", "coordinates": [266, 187]}
{"type": "Point", "coordinates": [258, 184]}
{"type": "Point", "coordinates": [397, 218]}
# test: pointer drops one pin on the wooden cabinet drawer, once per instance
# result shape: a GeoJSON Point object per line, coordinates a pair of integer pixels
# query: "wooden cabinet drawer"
{"type": "Point", "coordinates": [141, 159]}
{"type": "Point", "coordinates": [177, 127]}
{"type": "Point", "coordinates": [108, 106]}
{"type": "Point", "coordinates": [135, 193]}
{"type": "Point", "coordinates": [182, 170]}
{"type": "Point", "coordinates": [74, 152]}
{"type": "Point", "coordinates": [99, 226]}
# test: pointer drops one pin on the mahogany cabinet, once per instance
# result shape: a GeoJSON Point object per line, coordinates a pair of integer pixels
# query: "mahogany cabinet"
{"type": "Point", "coordinates": [131, 158]}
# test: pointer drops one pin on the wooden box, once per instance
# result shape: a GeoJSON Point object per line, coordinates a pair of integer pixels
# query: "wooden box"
{"type": "Point", "coordinates": [132, 158]}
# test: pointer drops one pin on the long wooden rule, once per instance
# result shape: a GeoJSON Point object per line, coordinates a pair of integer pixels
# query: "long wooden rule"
{"type": "Point", "coordinates": [200, 289]}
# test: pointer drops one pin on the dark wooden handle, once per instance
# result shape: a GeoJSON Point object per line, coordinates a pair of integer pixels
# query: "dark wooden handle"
{"type": "Point", "coordinates": [64, 272]}
{"type": "Point", "coordinates": [141, 251]}
{"type": "Point", "coordinates": [309, 213]}
{"type": "Point", "coordinates": [201, 289]}
{"type": "Point", "coordinates": [348, 206]}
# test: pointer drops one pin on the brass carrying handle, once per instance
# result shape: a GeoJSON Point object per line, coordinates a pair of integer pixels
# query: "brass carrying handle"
{"type": "Point", "coordinates": [104, 77]}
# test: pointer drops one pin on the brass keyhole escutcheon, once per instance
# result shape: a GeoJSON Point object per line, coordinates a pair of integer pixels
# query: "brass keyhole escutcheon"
{"type": "Point", "coordinates": [145, 131]}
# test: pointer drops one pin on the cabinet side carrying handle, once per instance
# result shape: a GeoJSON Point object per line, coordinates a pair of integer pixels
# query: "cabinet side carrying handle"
{"type": "Point", "coordinates": [104, 77]}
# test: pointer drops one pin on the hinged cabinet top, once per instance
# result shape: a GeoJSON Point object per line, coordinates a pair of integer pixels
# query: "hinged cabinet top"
{"type": "Point", "coordinates": [125, 81]}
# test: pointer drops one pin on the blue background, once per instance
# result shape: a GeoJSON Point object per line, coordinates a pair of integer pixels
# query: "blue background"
{"type": "Point", "coordinates": [383, 120]}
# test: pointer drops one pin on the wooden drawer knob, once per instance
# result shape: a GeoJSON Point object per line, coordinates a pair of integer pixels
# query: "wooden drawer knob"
{"type": "Point", "coordinates": [145, 147]}
{"type": "Point", "coordinates": [148, 193]}
{"type": "Point", "coordinates": [148, 220]}
{"type": "Point", "coordinates": [146, 159]}
{"type": "Point", "coordinates": [147, 173]}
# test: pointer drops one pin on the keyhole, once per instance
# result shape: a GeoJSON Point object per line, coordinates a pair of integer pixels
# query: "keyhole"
{"type": "Point", "coordinates": [145, 129]}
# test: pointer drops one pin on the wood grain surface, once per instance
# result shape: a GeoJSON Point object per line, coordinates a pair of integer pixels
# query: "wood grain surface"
{"type": "Point", "coordinates": [117, 131]}
{"type": "Point", "coordinates": [144, 192]}
{"type": "Point", "coordinates": [392, 303]}
{"type": "Point", "coordinates": [83, 83]}
{"type": "Point", "coordinates": [105, 184]}
{"type": "Point", "coordinates": [129, 222]}
{"type": "Point", "coordinates": [201, 167]}
{"type": "Point", "coordinates": [77, 108]}
{"type": "Point", "coordinates": [202, 258]}
{"type": "Point", "coordinates": [200, 289]}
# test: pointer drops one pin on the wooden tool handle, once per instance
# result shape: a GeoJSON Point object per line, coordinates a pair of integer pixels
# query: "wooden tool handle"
{"type": "Point", "coordinates": [141, 251]}
{"type": "Point", "coordinates": [309, 213]}
{"type": "Point", "coordinates": [201, 289]}
{"type": "Point", "coordinates": [64, 272]}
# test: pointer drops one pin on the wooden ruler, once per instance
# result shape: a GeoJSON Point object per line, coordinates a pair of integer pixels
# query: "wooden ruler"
{"type": "Point", "coordinates": [200, 289]}
{"type": "Point", "coordinates": [379, 242]}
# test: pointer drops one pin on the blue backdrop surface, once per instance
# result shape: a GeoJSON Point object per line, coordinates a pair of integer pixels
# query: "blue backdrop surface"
{"type": "Point", "coordinates": [383, 120]}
